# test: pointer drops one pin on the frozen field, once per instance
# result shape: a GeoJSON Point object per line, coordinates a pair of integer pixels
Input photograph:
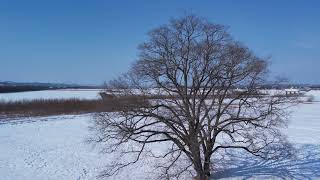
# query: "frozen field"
{"type": "Point", "coordinates": [52, 94]}
{"type": "Point", "coordinates": [55, 148]}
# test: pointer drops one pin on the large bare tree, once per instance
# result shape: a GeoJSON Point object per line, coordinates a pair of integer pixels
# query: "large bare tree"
{"type": "Point", "coordinates": [196, 90]}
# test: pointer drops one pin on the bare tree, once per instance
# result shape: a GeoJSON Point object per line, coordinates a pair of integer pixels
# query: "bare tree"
{"type": "Point", "coordinates": [197, 90]}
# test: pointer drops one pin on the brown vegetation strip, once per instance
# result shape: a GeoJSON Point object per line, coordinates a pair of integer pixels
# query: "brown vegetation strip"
{"type": "Point", "coordinates": [48, 107]}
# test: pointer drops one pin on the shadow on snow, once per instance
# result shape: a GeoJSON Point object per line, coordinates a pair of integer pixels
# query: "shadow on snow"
{"type": "Point", "coordinates": [305, 165]}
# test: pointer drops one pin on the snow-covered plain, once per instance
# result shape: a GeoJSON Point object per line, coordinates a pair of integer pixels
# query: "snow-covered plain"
{"type": "Point", "coordinates": [52, 94]}
{"type": "Point", "coordinates": [56, 147]}
{"type": "Point", "coordinates": [304, 132]}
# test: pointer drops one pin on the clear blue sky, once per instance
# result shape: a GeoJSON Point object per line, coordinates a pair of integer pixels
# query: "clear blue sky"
{"type": "Point", "coordinates": [89, 41]}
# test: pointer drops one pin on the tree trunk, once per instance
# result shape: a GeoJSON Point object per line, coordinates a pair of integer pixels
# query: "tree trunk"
{"type": "Point", "coordinates": [203, 173]}
{"type": "Point", "coordinates": [206, 168]}
{"type": "Point", "coordinates": [199, 170]}
{"type": "Point", "coordinates": [201, 176]}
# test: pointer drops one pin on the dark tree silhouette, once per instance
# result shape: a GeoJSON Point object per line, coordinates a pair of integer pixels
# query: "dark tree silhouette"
{"type": "Point", "coordinates": [196, 90]}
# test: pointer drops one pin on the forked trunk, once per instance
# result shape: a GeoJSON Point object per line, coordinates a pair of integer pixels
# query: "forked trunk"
{"type": "Point", "coordinates": [203, 173]}
{"type": "Point", "coordinates": [202, 177]}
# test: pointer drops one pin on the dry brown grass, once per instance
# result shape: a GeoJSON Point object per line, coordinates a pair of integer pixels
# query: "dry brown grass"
{"type": "Point", "coordinates": [48, 107]}
{"type": "Point", "coordinates": [42, 107]}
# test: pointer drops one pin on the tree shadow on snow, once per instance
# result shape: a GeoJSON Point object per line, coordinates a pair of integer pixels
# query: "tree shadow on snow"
{"type": "Point", "coordinates": [305, 165]}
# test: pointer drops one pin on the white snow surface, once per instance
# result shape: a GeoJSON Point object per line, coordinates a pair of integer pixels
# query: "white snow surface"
{"type": "Point", "coordinates": [303, 132]}
{"type": "Point", "coordinates": [56, 148]}
{"type": "Point", "coordinates": [52, 94]}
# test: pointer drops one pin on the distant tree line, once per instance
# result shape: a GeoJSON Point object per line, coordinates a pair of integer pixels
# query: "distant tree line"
{"type": "Point", "coordinates": [23, 88]}
{"type": "Point", "coordinates": [8, 89]}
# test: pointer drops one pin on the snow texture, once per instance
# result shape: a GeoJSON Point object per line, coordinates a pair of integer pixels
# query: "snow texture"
{"type": "Point", "coordinates": [55, 148]}
{"type": "Point", "coordinates": [52, 94]}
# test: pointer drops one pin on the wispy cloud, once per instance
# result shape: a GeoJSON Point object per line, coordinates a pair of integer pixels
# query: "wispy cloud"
{"type": "Point", "coordinates": [305, 44]}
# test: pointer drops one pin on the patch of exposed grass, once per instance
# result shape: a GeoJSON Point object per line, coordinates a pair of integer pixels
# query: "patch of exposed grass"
{"type": "Point", "coordinates": [46, 107]}
{"type": "Point", "coordinates": [49, 107]}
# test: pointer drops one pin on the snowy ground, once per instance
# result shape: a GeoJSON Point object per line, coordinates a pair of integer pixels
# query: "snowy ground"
{"type": "Point", "coordinates": [303, 132]}
{"type": "Point", "coordinates": [55, 148]}
{"type": "Point", "coordinates": [52, 94]}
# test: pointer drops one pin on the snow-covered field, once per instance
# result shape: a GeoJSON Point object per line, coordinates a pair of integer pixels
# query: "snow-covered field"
{"type": "Point", "coordinates": [55, 148]}
{"type": "Point", "coordinates": [52, 94]}
{"type": "Point", "coordinates": [304, 132]}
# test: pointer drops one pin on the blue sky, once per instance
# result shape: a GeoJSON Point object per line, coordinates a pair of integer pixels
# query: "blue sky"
{"type": "Point", "coordinates": [90, 41]}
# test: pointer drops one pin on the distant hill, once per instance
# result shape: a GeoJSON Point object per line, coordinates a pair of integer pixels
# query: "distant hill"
{"type": "Point", "coordinates": [9, 86]}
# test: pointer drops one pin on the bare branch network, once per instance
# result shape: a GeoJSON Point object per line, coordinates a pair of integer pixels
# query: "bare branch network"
{"type": "Point", "coordinates": [195, 91]}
